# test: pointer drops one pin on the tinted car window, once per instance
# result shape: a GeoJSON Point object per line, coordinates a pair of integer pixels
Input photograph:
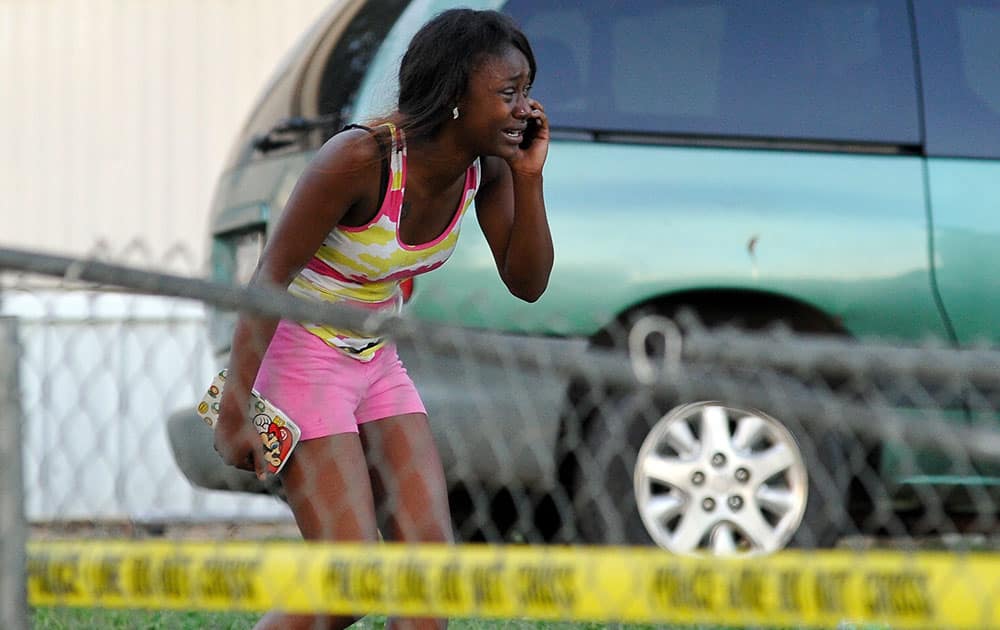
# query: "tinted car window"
{"type": "Point", "coordinates": [810, 69]}
{"type": "Point", "coordinates": [377, 94]}
{"type": "Point", "coordinates": [959, 46]}
{"type": "Point", "coordinates": [349, 60]}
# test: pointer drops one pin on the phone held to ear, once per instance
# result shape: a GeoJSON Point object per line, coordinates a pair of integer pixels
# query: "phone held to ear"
{"type": "Point", "coordinates": [529, 133]}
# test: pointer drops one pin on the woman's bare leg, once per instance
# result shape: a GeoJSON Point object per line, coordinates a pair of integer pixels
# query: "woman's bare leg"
{"type": "Point", "coordinates": [328, 489]}
{"type": "Point", "coordinates": [409, 486]}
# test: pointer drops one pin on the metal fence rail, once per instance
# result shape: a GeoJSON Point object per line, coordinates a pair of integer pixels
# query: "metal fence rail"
{"type": "Point", "coordinates": [13, 528]}
{"type": "Point", "coordinates": [648, 426]}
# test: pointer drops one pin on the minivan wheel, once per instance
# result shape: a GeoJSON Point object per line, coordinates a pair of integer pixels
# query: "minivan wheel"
{"type": "Point", "coordinates": [707, 478]}
{"type": "Point", "coordinates": [715, 478]}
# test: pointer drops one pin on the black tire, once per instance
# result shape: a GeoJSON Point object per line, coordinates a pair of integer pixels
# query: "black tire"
{"type": "Point", "coordinates": [599, 457]}
{"type": "Point", "coordinates": [605, 503]}
{"type": "Point", "coordinates": [602, 491]}
{"type": "Point", "coordinates": [827, 515]}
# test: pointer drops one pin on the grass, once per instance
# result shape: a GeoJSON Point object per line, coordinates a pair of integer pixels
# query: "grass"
{"type": "Point", "coordinates": [95, 619]}
{"type": "Point", "coordinates": [99, 619]}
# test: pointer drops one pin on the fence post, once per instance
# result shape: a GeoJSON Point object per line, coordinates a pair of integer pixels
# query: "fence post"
{"type": "Point", "coordinates": [13, 525]}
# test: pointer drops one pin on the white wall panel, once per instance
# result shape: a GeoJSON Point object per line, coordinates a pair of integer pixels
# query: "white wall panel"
{"type": "Point", "coordinates": [116, 115]}
{"type": "Point", "coordinates": [99, 374]}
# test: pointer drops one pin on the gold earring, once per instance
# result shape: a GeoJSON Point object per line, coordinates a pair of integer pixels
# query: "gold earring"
{"type": "Point", "coordinates": [454, 113]}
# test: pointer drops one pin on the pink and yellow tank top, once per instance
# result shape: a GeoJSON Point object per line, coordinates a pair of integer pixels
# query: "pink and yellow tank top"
{"type": "Point", "coordinates": [364, 266]}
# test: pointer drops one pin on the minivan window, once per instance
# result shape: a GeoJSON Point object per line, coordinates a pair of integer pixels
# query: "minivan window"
{"type": "Point", "coordinates": [377, 94]}
{"type": "Point", "coordinates": [959, 45]}
{"type": "Point", "coordinates": [349, 59]}
{"type": "Point", "coordinates": [810, 69]}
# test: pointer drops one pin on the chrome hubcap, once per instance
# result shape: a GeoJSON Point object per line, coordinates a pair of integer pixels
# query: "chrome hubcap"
{"type": "Point", "coordinates": [717, 480]}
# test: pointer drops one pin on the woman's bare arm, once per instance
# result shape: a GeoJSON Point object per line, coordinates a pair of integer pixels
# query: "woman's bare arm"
{"type": "Point", "coordinates": [338, 179]}
{"type": "Point", "coordinates": [511, 209]}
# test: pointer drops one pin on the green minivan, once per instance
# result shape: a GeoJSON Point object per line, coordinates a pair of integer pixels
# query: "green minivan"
{"type": "Point", "coordinates": [830, 165]}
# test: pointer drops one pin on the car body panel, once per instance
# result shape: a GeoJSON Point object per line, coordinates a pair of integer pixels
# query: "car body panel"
{"type": "Point", "coordinates": [265, 184]}
{"type": "Point", "coordinates": [281, 95]}
{"type": "Point", "coordinates": [846, 234]}
{"type": "Point", "coordinates": [965, 196]}
{"type": "Point", "coordinates": [494, 424]}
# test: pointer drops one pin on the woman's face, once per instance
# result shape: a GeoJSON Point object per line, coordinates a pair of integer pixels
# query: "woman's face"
{"type": "Point", "coordinates": [495, 108]}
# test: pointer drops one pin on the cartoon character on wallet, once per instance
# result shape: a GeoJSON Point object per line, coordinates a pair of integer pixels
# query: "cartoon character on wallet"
{"type": "Point", "coordinates": [276, 437]}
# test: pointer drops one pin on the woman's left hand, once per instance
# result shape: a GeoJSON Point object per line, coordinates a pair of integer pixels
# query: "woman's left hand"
{"type": "Point", "coordinates": [529, 161]}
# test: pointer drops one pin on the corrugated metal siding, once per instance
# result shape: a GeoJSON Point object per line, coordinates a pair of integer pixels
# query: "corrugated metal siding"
{"type": "Point", "coordinates": [117, 114]}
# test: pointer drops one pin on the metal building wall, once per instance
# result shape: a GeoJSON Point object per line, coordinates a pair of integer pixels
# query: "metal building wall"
{"type": "Point", "coordinates": [116, 115]}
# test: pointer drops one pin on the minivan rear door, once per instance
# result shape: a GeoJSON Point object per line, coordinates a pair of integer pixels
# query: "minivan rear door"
{"type": "Point", "coordinates": [959, 45]}
{"type": "Point", "coordinates": [959, 51]}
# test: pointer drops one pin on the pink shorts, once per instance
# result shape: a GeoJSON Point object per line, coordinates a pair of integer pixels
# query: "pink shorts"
{"type": "Point", "coordinates": [326, 392]}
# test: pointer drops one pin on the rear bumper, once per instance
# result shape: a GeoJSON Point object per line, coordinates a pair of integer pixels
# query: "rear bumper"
{"type": "Point", "coordinates": [191, 443]}
{"type": "Point", "coordinates": [495, 425]}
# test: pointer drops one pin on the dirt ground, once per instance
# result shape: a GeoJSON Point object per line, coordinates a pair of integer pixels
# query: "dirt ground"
{"type": "Point", "coordinates": [126, 529]}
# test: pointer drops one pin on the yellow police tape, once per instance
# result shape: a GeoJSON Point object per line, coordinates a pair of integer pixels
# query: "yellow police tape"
{"type": "Point", "coordinates": [901, 590]}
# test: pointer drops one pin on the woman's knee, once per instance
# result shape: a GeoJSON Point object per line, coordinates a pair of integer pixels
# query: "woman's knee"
{"type": "Point", "coordinates": [422, 517]}
{"type": "Point", "coordinates": [328, 489]}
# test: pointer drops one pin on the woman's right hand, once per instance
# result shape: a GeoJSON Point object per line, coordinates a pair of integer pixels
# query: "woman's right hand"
{"type": "Point", "coordinates": [320, 199]}
{"type": "Point", "coordinates": [236, 440]}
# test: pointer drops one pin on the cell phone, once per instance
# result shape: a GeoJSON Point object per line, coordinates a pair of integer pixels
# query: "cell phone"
{"type": "Point", "coordinates": [529, 133]}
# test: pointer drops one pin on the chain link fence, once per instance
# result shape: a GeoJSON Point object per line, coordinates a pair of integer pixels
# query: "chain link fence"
{"type": "Point", "coordinates": [663, 434]}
